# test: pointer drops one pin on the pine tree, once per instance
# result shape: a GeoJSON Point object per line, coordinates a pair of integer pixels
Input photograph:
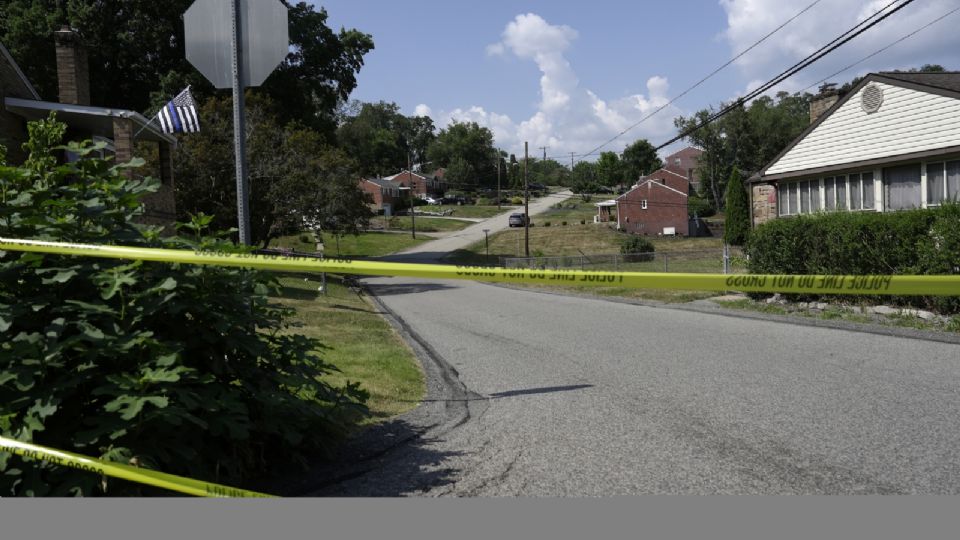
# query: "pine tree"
{"type": "Point", "coordinates": [737, 227]}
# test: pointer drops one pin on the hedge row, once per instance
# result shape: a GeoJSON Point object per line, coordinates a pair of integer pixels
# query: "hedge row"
{"type": "Point", "coordinates": [860, 243]}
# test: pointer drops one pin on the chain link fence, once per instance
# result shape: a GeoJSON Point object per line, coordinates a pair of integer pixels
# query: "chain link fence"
{"type": "Point", "coordinates": [729, 260]}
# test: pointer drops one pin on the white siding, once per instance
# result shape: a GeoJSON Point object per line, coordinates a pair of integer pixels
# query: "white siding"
{"type": "Point", "coordinates": [908, 121]}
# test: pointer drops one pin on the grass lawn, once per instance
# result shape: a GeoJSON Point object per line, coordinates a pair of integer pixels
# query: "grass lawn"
{"type": "Point", "coordinates": [572, 211]}
{"type": "Point", "coordinates": [471, 211]}
{"type": "Point", "coordinates": [367, 244]}
{"type": "Point", "coordinates": [426, 224]}
{"type": "Point", "coordinates": [358, 342]}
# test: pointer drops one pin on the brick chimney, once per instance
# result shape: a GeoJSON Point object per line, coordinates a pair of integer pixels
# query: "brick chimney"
{"type": "Point", "coordinates": [825, 99]}
{"type": "Point", "coordinates": [73, 73]}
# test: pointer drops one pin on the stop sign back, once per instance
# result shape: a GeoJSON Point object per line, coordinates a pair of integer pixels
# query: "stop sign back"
{"type": "Point", "coordinates": [264, 39]}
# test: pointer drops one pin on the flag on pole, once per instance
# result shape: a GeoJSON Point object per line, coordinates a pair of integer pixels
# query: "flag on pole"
{"type": "Point", "coordinates": [179, 115]}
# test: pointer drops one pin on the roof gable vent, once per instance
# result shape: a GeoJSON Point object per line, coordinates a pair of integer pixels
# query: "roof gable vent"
{"type": "Point", "coordinates": [871, 98]}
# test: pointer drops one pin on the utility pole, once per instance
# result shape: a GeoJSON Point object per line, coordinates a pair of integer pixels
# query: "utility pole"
{"type": "Point", "coordinates": [498, 180]}
{"type": "Point", "coordinates": [571, 160]}
{"type": "Point", "coordinates": [526, 203]}
{"type": "Point", "coordinates": [544, 148]}
{"type": "Point", "coordinates": [413, 219]}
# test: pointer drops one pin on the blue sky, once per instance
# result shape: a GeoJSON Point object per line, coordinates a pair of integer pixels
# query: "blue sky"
{"type": "Point", "coordinates": [572, 74]}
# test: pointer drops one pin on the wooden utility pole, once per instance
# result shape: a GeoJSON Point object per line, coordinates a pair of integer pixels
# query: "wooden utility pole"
{"type": "Point", "coordinates": [544, 148]}
{"type": "Point", "coordinates": [571, 160]}
{"type": "Point", "coordinates": [413, 219]}
{"type": "Point", "coordinates": [526, 203]}
{"type": "Point", "coordinates": [498, 179]}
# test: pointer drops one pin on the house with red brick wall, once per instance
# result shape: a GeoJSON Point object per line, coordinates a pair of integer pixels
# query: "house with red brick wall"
{"type": "Point", "coordinates": [653, 208]}
{"type": "Point", "coordinates": [422, 184]}
{"type": "Point", "coordinates": [686, 162]}
{"type": "Point", "coordinates": [382, 194]}
{"type": "Point", "coordinates": [671, 176]}
{"type": "Point", "coordinates": [119, 129]}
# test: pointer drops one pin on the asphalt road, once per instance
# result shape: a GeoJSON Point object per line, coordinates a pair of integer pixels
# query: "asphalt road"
{"type": "Point", "coordinates": [564, 396]}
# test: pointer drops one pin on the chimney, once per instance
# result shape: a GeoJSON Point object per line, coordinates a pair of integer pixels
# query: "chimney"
{"type": "Point", "coordinates": [824, 100]}
{"type": "Point", "coordinates": [73, 73]}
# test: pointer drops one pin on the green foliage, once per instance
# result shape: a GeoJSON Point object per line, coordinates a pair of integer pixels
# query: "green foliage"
{"type": "Point", "coordinates": [138, 60]}
{"type": "Point", "coordinates": [484, 201]}
{"type": "Point", "coordinates": [471, 143]}
{"type": "Point", "coordinates": [584, 177]}
{"type": "Point", "coordinates": [186, 369]}
{"type": "Point", "coordinates": [516, 200]}
{"type": "Point", "coordinates": [639, 159]}
{"type": "Point", "coordinates": [636, 244]}
{"type": "Point", "coordinates": [862, 243]}
{"type": "Point", "coordinates": [296, 179]}
{"type": "Point", "coordinates": [737, 226]}
{"type": "Point", "coordinates": [460, 173]}
{"type": "Point", "coordinates": [382, 140]}
{"type": "Point", "coordinates": [609, 169]}
{"type": "Point", "coordinates": [700, 207]}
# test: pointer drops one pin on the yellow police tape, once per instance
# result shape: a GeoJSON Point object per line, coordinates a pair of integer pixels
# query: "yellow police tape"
{"type": "Point", "coordinates": [172, 482]}
{"type": "Point", "coordinates": [810, 284]}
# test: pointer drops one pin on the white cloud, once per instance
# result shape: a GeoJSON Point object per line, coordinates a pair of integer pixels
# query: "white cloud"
{"type": "Point", "coordinates": [749, 20]}
{"type": "Point", "coordinates": [422, 110]}
{"type": "Point", "coordinates": [569, 117]}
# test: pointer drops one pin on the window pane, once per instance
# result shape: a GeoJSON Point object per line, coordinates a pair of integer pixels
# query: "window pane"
{"type": "Point", "coordinates": [792, 193]}
{"type": "Point", "coordinates": [805, 197]}
{"type": "Point", "coordinates": [841, 193]}
{"type": "Point", "coordinates": [901, 187]}
{"type": "Point", "coordinates": [814, 195]}
{"type": "Point", "coordinates": [854, 182]}
{"type": "Point", "coordinates": [868, 198]}
{"type": "Point", "coordinates": [953, 180]}
{"type": "Point", "coordinates": [935, 181]}
{"type": "Point", "coordinates": [828, 190]}
{"type": "Point", "coordinates": [782, 200]}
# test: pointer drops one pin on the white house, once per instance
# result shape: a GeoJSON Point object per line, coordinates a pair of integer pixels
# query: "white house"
{"type": "Point", "coordinates": [891, 143]}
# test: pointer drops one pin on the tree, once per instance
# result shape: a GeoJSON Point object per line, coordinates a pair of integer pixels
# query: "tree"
{"type": "Point", "coordinates": [377, 138]}
{"type": "Point", "coordinates": [296, 179]}
{"type": "Point", "coordinates": [639, 159]}
{"type": "Point", "coordinates": [737, 226]}
{"type": "Point", "coordinates": [419, 137]}
{"type": "Point", "coordinates": [470, 142]}
{"type": "Point", "coordinates": [584, 178]}
{"type": "Point", "coordinates": [138, 60]}
{"type": "Point", "coordinates": [460, 174]}
{"type": "Point", "coordinates": [609, 169]}
{"type": "Point", "coordinates": [548, 172]}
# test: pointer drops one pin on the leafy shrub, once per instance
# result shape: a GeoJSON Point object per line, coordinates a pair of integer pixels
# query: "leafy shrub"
{"type": "Point", "coordinates": [862, 243]}
{"type": "Point", "coordinates": [484, 201]}
{"type": "Point", "coordinates": [306, 239]}
{"type": "Point", "coordinates": [564, 223]}
{"type": "Point", "coordinates": [700, 207]}
{"type": "Point", "coordinates": [516, 200]}
{"type": "Point", "coordinates": [183, 368]}
{"type": "Point", "coordinates": [638, 247]}
{"type": "Point", "coordinates": [546, 223]}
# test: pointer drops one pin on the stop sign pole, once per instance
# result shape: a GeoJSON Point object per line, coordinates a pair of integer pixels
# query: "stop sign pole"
{"type": "Point", "coordinates": [236, 44]}
{"type": "Point", "coordinates": [239, 129]}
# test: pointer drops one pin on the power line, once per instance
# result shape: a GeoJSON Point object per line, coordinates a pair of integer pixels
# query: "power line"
{"type": "Point", "coordinates": [703, 80]}
{"type": "Point", "coordinates": [839, 41]}
{"type": "Point", "coordinates": [865, 58]}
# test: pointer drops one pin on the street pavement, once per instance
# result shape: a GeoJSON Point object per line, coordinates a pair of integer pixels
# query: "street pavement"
{"type": "Point", "coordinates": [569, 396]}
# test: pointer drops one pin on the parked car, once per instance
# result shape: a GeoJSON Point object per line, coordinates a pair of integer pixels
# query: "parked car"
{"type": "Point", "coordinates": [430, 200]}
{"type": "Point", "coordinates": [517, 220]}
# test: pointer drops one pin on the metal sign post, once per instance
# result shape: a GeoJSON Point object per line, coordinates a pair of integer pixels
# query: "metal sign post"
{"type": "Point", "coordinates": [236, 44]}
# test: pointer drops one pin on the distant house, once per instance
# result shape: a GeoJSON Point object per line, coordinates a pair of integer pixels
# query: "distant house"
{"type": "Point", "coordinates": [891, 143]}
{"type": "Point", "coordinates": [653, 208]}
{"type": "Point", "coordinates": [685, 163]}
{"type": "Point", "coordinates": [422, 184]}
{"type": "Point", "coordinates": [118, 128]}
{"type": "Point", "coordinates": [383, 194]}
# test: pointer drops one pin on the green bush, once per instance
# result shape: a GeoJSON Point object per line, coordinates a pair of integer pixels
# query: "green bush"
{"type": "Point", "coordinates": [862, 243]}
{"type": "Point", "coordinates": [546, 223]}
{"type": "Point", "coordinates": [636, 244]}
{"type": "Point", "coordinates": [700, 207]}
{"type": "Point", "coordinates": [516, 200]}
{"type": "Point", "coordinates": [484, 201]}
{"type": "Point", "coordinates": [187, 369]}
{"type": "Point", "coordinates": [564, 223]}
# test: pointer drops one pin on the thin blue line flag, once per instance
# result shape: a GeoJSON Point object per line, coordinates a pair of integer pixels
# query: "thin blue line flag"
{"type": "Point", "coordinates": [180, 114]}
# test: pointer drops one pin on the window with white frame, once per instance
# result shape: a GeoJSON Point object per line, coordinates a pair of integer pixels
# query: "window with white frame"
{"type": "Point", "coordinates": [943, 182]}
{"type": "Point", "coordinates": [643, 204]}
{"type": "Point", "coordinates": [901, 187]}
{"type": "Point", "coordinates": [861, 191]}
{"type": "Point", "coordinates": [830, 194]}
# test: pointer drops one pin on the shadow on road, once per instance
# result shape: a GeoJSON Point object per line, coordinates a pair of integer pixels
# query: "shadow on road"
{"type": "Point", "coordinates": [387, 460]}
{"type": "Point", "coordinates": [514, 393]}
{"type": "Point", "coordinates": [393, 289]}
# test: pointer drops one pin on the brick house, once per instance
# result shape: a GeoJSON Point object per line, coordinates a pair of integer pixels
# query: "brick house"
{"type": "Point", "coordinates": [654, 207]}
{"type": "Point", "coordinates": [685, 163]}
{"type": "Point", "coordinates": [422, 184]}
{"type": "Point", "coordinates": [382, 194]}
{"type": "Point", "coordinates": [118, 128]}
{"type": "Point", "coordinates": [892, 142]}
